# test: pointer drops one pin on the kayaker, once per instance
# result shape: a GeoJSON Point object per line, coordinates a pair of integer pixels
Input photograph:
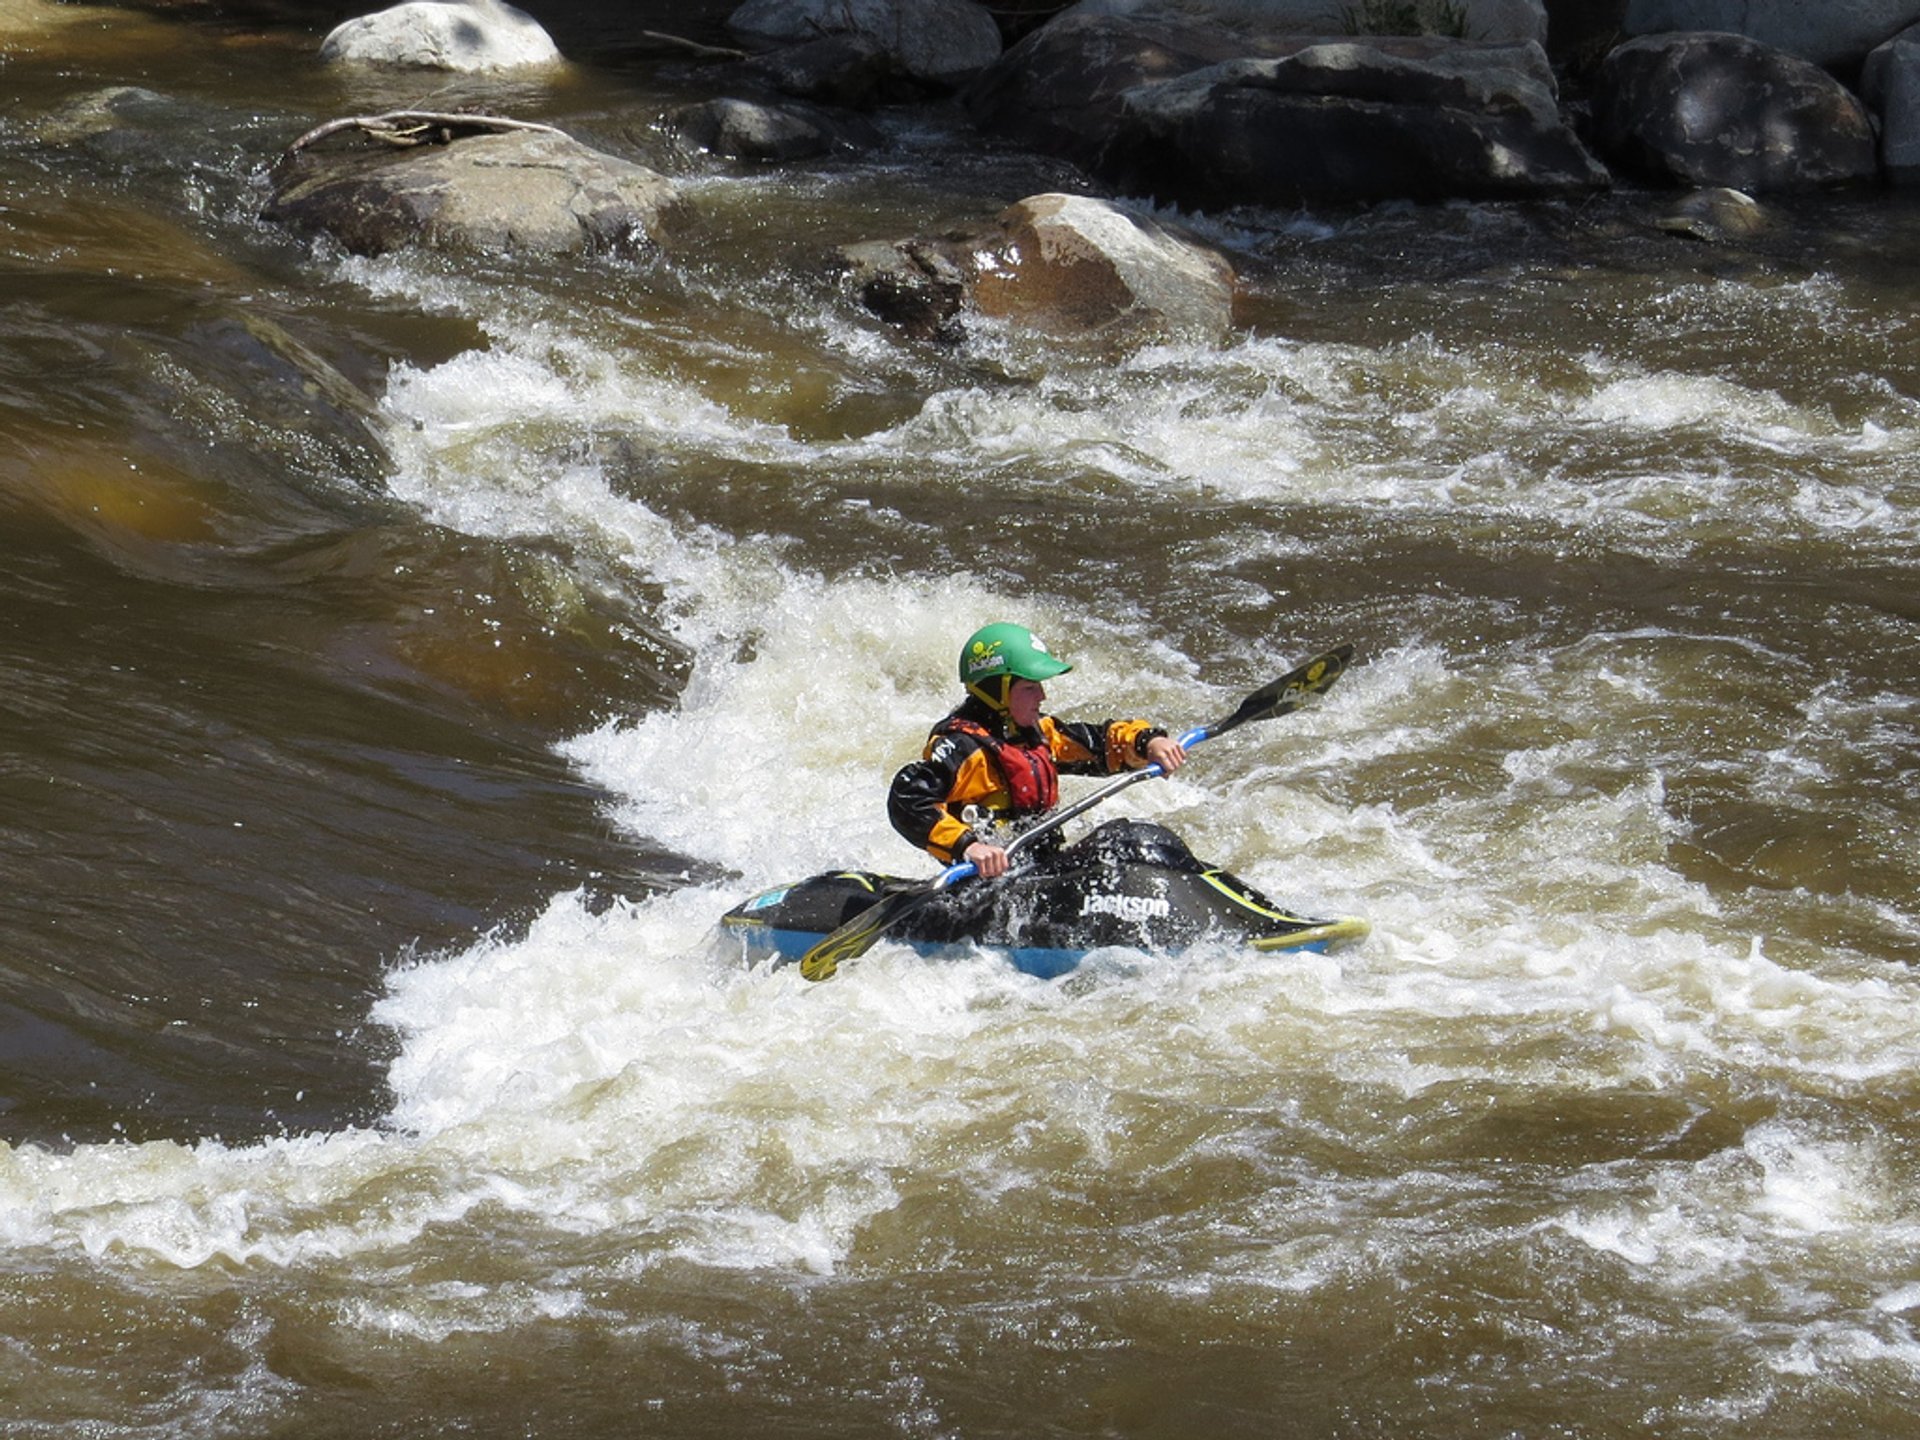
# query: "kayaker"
{"type": "Point", "coordinates": [995, 761]}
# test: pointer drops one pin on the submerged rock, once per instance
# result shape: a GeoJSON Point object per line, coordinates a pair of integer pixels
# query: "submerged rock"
{"type": "Point", "coordinates": [138, 131]}
{"type": "Point", "coordinates": [916, 286]}
{"type": "Point", "coordinates": [531, 190]}
{"type": "Point", "coordinates": [104, 111]}
{"type": "Point", "coordinates": [1718, 109]}
{"type": "Point", "coordinates": [1715, 215]}
{"type": "Point", "coordinates": [468, 35]}
{"type": "Point", "coordinates": [750, 130]}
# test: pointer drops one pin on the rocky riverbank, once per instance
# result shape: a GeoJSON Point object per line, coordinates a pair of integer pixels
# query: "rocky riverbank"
{"type": "Point", "coordinates": [1194, 105]}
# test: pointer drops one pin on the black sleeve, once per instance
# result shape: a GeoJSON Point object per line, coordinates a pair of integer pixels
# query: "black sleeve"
{"type": "Point", "coordinates": [917, 802]}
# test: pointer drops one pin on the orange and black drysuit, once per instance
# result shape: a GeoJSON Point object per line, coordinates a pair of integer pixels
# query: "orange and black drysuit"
{"type": "Point", "coordinates": [979, 773]}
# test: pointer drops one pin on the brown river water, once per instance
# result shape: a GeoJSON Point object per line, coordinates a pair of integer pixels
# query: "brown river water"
{"type": "Point", "coordinates": [404, 662]}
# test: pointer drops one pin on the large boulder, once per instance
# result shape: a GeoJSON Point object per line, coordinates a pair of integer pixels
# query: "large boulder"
{"type": "Point", "coordinates": [1062, 90]}
{"type": "Point", "coordinates": [468, 35]}
{"type": "Point", "coordinates": [1354, 120]}
{"type": "Point", "coordinates": [851, 72]}
{"type": "Point", "coordinates": [1833, 34]}
{"type": "Point", "coordinates": [1890, 81]}
{"type": "Point", "coordinates": [1213, 118]}
{"type": "Point", "coordinates": [1058, 267]}
{"type": "Point", "coordinates": [1719, 109]}
{"type": "Point", "coordinates": [1506, 20]}
{"type": "Point", "coordinates": [528, 190]}
{"type": "Point", "coordinates": [941, 43]}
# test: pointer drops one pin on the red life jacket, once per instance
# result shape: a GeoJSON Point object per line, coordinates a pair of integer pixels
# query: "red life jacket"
{"type": "Point", "coordinates": [1033, 781]}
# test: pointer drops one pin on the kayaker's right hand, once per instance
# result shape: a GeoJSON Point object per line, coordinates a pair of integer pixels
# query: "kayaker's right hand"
{"type": "Point", "coordinates": [990, 861]}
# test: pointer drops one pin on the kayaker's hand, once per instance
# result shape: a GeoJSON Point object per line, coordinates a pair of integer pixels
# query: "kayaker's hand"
{"type": "Point", "coordinates": [990, 860]}
{"type": "Point", "coordinates": [1166, 752]}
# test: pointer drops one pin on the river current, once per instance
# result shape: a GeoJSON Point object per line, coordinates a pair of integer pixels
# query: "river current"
{"type": "Point", "coordinates": [404, 662]}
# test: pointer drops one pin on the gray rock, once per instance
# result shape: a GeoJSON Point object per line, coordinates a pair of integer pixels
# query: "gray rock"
{"type": "Point", "coordinates": [1719, 109]}
{"type": "Point", "coordinates": [748, 130]}
{"type": "Point", "coordinates": [1716, 216]}
{"type": "Point", "coordinates": [940, 42]}
{"type": "Point", "coordinates": [1355, 120]}
{"type": "Point", "coordinates": [466, 35]}
{"type": "Point", "coordinates": [1062, 90]}
{"type": "Point", "coordinates": [1891, 83]}
{"type": "Point", "coordinates": [1213, 117]}
{"type": "Point", "coordinates": [530, 191]}
{"type": "Point", "coordinates": [849, 71]}
{"type": "Point", "coordinates": [1834, 34]}
{"type": "Point", "coordinates": [1500, 20]}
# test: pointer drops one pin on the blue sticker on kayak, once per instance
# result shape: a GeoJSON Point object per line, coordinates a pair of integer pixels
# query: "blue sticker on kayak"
{"type": "Point", "coordinates": [771, 897]}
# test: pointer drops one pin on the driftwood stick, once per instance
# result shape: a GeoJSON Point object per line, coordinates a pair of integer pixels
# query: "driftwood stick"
{"type": "Point", "coordinates": [694, 47]}
{"type": "Point", "coordinates": [406, 127]}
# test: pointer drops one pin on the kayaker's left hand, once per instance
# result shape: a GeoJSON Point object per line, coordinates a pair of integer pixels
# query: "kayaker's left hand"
{"type": "Point", "coordinates": [988, 860]}
{"type": "Point", "coordinates": [1166, 752]}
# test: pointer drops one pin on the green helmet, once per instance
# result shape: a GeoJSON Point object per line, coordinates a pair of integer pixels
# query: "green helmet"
{"type": "Point", "coordinates": [1005, 653]}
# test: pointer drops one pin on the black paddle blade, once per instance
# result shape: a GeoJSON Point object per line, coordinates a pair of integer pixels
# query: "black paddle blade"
{"type": "Point", "coordinates": [1290, 691]}
{"type": "Point", "coordinates": [861, 933]}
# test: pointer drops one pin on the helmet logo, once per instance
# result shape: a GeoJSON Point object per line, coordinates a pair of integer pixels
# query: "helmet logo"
{"type": "Point", "coordinates": [985, 658]}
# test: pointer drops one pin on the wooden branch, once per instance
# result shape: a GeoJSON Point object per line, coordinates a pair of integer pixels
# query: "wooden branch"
{"type": "Point", "coordinates": [416, 127]}
{"type": "Point", "coordinates": [694, 47]}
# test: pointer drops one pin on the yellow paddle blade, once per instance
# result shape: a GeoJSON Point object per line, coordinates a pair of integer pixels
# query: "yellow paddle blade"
{"type": "Point", "coordinates": [860, 934]}
{"type": "Point", "coordinates": [1333, 932]}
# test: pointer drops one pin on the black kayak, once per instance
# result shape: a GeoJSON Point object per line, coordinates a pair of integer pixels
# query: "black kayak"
{"type": "Point", "coordinates": [1126, 884]}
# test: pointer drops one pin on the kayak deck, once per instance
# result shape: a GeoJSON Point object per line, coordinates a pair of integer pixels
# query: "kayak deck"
{"type": "Point", "coordinates": [1139, 889]}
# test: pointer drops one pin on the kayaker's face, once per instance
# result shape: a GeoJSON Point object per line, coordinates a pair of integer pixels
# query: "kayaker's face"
{"type": "Point", "coordinates": [1023, 702]}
